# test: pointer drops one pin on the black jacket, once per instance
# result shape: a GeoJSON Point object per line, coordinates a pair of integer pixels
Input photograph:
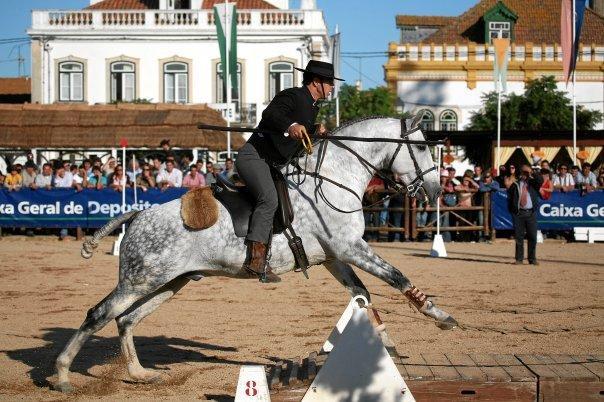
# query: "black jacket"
{"type": "Point", "coordinates": [534, 184]}
{"type": "Point", "coordinates": [293, 105]}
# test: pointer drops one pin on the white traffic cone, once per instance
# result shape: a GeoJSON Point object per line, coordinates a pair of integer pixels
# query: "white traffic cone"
{"type": "Point", "coordinates": [438, 247]}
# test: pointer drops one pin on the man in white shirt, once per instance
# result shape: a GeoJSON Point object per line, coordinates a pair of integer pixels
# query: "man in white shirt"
{"type": "Point", "coordinates": [563, 181]}
{"type": "Point", "coordinates": [63, 179]}
{"type": "Point", "coordinates": [586, 179]}
{"type": "Point", "coordinates": [171, 177]}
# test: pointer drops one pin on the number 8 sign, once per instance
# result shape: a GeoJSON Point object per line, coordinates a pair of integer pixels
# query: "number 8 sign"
{"type": "Point", "coordinates": [252, 385]}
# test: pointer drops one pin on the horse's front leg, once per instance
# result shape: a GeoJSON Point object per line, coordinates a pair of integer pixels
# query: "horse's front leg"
{"type": "Point", "coordinates": [346, 276]}
{"type": "Point", "coordinates": [360, 254]}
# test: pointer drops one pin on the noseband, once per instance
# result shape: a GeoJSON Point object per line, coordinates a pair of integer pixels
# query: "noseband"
{"type": "Point", "coordinates": [418, 182]}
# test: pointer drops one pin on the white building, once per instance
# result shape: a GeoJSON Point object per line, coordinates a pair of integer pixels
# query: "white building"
{"type": "Point", "coordinates": [166, 51]}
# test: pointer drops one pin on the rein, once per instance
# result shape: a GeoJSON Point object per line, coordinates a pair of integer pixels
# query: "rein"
{"type": "Point", "coordinates": [412, 188]}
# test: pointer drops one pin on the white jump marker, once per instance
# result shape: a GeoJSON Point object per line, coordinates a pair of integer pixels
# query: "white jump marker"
{"type": "Point", "coordinates": [252, 385]}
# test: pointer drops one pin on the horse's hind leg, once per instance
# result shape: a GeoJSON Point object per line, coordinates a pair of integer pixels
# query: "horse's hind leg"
{"type": "Point", "coordinates": [348, 278]}
{"type": "Point", "coordinates": [135, 314]}
{"type": "Point", "coordinates": [114, 304]}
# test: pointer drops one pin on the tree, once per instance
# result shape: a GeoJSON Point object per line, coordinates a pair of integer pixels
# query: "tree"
{"type": "Point", "coordinates": [542, 107]}
{"type": "Point", "coordinates": [355, 104]}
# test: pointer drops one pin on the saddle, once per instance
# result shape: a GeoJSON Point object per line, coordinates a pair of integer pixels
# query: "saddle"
{"type": "Point", "coordinates": [240, 204]}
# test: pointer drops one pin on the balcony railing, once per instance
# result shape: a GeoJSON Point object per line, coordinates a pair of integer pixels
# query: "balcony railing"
{"type": "Point", "coordinates": [135, 20]}
{"type": "Point", "coordinates": [478, 52]}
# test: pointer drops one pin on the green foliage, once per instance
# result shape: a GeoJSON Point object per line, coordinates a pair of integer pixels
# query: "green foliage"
{"type": "Point", "coordinates": [542, 107]}
{"type": "Point", "coordinates": [355, 104]}
{"type": "Point", "coordinates": [144, 101]}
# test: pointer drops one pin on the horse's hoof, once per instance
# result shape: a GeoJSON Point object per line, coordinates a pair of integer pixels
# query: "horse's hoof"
{"type": "Point", "coordinates": [63, 387]}
{"type": "Point", "coordinates": [447, 323]}
{"type": "Point", "coordinates": [147, 377]}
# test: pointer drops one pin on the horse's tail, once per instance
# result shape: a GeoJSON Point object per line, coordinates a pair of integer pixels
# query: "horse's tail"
{"type": "Point", "coordinates": [90, 245]}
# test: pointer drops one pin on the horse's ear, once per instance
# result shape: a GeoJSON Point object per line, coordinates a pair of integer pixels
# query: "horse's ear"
{"type": "Point", "coordinates": [415, 120]}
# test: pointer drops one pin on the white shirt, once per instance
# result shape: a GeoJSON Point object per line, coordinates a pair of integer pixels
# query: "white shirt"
{"type": "Point", "coordinates": [567, 180]}
{"type": "Point", "coordinates": [64, 182]}
{"type": "Point", "coordinates": [175, 177]}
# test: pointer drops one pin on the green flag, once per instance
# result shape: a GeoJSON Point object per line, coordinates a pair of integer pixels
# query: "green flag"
{"type": "Point", "coordinates": [230, 37]}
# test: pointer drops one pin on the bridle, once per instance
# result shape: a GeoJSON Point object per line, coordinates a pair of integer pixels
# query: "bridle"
{"type": "Point", "coordinates": [412, 188]}
{"type": "Point", "coordinates": [418, 182]}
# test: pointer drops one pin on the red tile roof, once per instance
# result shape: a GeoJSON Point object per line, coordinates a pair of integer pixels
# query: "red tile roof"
{"type": "Point", "coordinates": [15, 86]}
{"type": "Point", "coordinates": [423, 20]}
{"type": "Point", "coordinates": [154, 4]}
{"type": "Point", "coordinates": [538, 22]}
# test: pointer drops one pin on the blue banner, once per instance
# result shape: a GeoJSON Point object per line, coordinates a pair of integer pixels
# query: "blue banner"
{"type": "Point", "coordinates": [68, 208]}
{"type": "Point", "coordinates": [563, 211]}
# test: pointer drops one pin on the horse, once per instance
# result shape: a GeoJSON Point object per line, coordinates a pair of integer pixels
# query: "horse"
{"type": "Point", "coordinates": [158, 252]}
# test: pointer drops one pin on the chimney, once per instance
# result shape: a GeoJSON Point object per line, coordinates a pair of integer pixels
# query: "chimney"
{"type": "Point", "coordinates": [308, 4]}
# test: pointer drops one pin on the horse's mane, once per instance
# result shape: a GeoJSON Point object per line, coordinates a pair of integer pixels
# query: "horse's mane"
{"type": "Point", "coordinates": [351, 122]}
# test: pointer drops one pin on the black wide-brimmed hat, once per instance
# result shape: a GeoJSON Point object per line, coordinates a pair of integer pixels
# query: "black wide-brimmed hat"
{"type": "Point", "coordinates": [320, 69]}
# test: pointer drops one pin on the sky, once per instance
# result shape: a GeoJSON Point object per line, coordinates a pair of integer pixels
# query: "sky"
{"type": "Point", "coordinates": [365, 26]}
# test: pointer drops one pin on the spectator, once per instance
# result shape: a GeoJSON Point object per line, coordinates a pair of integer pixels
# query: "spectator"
{"type": "Point", "coordinates": [465, 193]}
{"type": "Point", "coordinates": [156, 166]}
{"type": "Point", "coordinates": [501, 176]}
{"type": "Point", "coordinates": [2, 177]}
{"type": "Point", "coordinates": [171, 177]}
{"type": "Point", "coordinates": [397, 200]}
{"type": "Point", "coordinates": [510, 178]}
{"type": "Point", "coordinates": [563, 181]}
{"type": "Point", "coordinates": [523, 198]}
{"type": "Point", "coordinates": [145, 180]}
{"type": "Point", "coordinates": [87, 165]}
{"type": "Point", "coordinates": [210, 178]}
{"type": "Point", "coordinates": [486, 185]}
{"type": "Point", "coordinates": [229, 169]}
{"type": "Point", "coordinates": [545, 165]}
{"type": "Point", "coordinates": [97, 180]}
{"type": "Point", "coordinates": [80, 178]}
{"type": "Point", "coordinates": [62, 178]}
{"type": "Point", "coordinates": [185, 163]}
{"type": "Point", "coordinates": [547, 188]}
{"type": "Point", "coordinates": [29, 176]}
{"type": "Point", "coordinates": [44, 179]}
{"type": "Point", "coordinates": [586, 179]}
{"type": "Point", "coordinates": [109, 166]}
{"type": "Point", "coordinates": [478, 173]}
{"type": "Point", "coordinates": [372, 197]}
{"type": "Point", "coordinates": [165, 145]}
{"type": "Point", "coordinates": [30, 160]}
{"type": "Point", "coordinates": [574, 172]}
{"type": "Point", "coordinates": [13, 180]}
{"type": "Point", "coordinates": [452, 176]}
{"type": "Point", "coordinates": [118, 179]}
{"type": "Point", "coordinates": [601, 180]}
{"type": "Point", "coordinates": [132, 174]}
{"type": "Point", "coordinates": [193, 178]}
{"type": "Point", "coordinates": [448, 199]}
{"type": "Point", "coordinates": [73, 169]}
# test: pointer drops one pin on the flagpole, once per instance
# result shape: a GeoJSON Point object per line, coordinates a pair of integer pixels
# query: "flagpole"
{"type": "Point", "coordinates": [497, 154]}
{"type": "Point", "coordinates": [573, 72]}
{"type": "Point", "coordinates": [227, 75]}
{"type": "Point", "coordinates": [338, 94]}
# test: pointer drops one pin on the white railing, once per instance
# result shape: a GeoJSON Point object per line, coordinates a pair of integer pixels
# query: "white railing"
{"type": "Point", "coordinates": [476, 52]}
{"type": "Point", "coordinates": [303, 20]}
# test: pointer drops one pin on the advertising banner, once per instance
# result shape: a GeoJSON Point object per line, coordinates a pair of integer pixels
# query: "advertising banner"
{"type": "Point", "coordinates": [68, 208]}
{"type": "Point", "coordinates": [563, 211]}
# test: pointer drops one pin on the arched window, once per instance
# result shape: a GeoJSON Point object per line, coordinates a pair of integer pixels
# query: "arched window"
{"type": "Point", "coordinates": [71, 81]}
{"type": "Point", "coordinates": [427, 121]}
{"type": "Point", "coordinates": [221, 87]}
{"type": "Point", "coordinates": [281, 76]}
{"type": "Point", "coordinates": [123, 82]}
{"type": "Point", "coordinates": [176, 82]}
{"type": "Point", "coordinates": [448, 121]}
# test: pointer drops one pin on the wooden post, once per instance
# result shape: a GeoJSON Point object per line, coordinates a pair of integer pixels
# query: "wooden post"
{"type": "Point", "coordinates": [413, 219]}
{"type": "Point", "coordinates": [406, 217]}
{"type": "Point", "coordinates": [486, 203]}
{"type": "Point", "coordinates": [79, 233]}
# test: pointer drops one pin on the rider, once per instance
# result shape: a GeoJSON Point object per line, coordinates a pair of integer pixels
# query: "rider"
{"type": "Point", "coordinates": [287, 119]}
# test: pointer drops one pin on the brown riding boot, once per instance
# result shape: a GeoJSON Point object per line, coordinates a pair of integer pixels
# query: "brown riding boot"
{"type": "Point", "coordinates": [255, 261]}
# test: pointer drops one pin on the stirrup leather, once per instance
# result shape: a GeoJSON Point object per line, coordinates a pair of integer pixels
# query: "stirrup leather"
{"type": "Point", "coordinates": [416, 297]}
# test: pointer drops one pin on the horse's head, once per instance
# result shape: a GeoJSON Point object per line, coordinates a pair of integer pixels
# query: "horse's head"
{"type": "Point", "coordinates": [413, 162]}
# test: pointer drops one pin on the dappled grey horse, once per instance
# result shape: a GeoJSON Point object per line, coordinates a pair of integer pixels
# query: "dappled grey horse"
{"type": "Point", "coordinates": [158, 253]}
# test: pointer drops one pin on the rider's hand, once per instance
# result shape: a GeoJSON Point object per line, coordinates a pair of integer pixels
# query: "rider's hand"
{"type": "Point", "coordinates": [296, 131]}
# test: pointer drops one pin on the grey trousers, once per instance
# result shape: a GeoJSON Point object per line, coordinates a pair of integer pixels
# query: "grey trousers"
{"type": "Point", "coordinates": [255, 172]}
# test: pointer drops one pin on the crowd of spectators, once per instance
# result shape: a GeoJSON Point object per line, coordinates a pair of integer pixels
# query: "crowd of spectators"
{"type": "Point", "coordinates": [159, 172]}
{"type": "Point", "coordinates": [468, 190]}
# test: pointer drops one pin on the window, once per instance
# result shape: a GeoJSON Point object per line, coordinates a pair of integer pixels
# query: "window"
{"type": "Point", "coordinates": [122, 82]}
{"type": "Point", "coordinates": [221, 87]}
{"type": "Point", "coordinates": [448, 121]}
{"type": "Point", "coordinates": [427, 121]}
{"type": "Point", "coordinates": [71, 82]}
{"type": "Point", "coordinates": [499, 30]}
{"type": "Point", "coordinates": [178, 5]}
{"type": "Point", "coordinates": [176, 82]}
{"type": "Point", "coordinates": [281, 76]}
